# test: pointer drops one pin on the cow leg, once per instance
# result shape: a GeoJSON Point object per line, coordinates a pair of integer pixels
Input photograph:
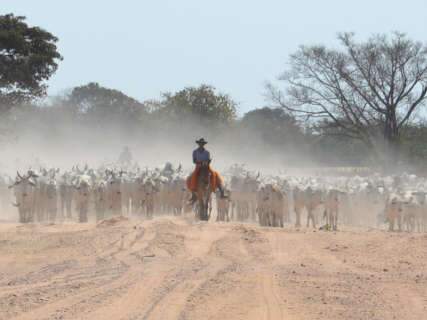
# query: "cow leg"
{"type": "Point", "coordinates": [67, 204]}
{"type": "Point", "coordinates": [336, 221]}
{"type": "Point", "coordinates": [313, 217]}
{"type": "Point", "coordinates": [310, 216]}
{"type": "Point", "coordinates": [21, 215]}
{"type": "Point", "coordinates": [30, 214]}
{"type": "Point", "coordinates": [332, 220]}
{"type": "Point", "coordinates": [297, 218]}
{"type": "Point", "coordinates": [399, 223]}
{"type": "Point", "coordinates": [62, 208]}
{"type": "Point", "coordinates": [391, 224]}
{"type": "Point", "coordinates": [83, 214]}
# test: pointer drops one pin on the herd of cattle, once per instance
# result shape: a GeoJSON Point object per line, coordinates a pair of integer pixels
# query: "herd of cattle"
{"type": "Point", "coordinates": [49, 195]}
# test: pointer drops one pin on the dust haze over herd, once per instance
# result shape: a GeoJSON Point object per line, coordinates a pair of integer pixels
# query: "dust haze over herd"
{"type": "Point", "coordinates": [312, 203]}
{"type": "Point", "coordinates": [63, 142]}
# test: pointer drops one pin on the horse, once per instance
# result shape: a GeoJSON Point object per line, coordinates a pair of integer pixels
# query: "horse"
{"type": "Point", "coordinates": [204, 191]}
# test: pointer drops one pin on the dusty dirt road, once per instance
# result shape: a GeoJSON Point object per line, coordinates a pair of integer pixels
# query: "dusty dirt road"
{"type": "Point", "coordinates": [172, 268]}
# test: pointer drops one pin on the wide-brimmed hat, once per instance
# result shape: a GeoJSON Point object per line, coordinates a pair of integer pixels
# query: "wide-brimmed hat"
{"type": "Point", "coordinates": [201, 141]}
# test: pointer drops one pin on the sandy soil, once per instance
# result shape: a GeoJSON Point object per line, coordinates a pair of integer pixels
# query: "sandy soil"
{"type": "Point", "coordinates": [173, 268]}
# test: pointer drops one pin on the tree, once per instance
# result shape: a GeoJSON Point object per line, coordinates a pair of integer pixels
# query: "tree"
{"type": "Point", "coordinates": [330, 147]}
{"type": "Point", "coordinates": [201, 103]}
{"type": "Point", "coordinates": [274, 126]}
{"type": "Point", "coordinates": [369, 90]}
{"type": "Point", "coordinates": [414, 141]}
{"type": "Point", "coordinates": [28, 57]}
{"type": "Point", "coordinates": [99, 103]}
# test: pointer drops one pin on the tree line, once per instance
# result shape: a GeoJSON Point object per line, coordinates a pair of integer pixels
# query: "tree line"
{"type": "Point", "coordinates": [358, 104]}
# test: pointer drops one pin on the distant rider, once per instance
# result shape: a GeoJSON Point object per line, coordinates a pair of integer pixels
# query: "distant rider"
{"type": "Point", "coordinates": [125, 158]}
{"type": "Point", "coordinates": [202, 155]}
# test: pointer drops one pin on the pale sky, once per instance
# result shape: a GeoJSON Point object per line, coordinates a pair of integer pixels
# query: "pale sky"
{"type": "Point", "coordinates": [146, 47]}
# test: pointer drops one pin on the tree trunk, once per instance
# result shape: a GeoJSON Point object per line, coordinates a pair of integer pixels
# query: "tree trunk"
{"type": "Point", "coordinates": [391, 142]}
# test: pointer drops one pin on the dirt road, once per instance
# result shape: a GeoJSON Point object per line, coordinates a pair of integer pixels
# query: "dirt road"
{"type": "Point", "coordinates": [172, 268]}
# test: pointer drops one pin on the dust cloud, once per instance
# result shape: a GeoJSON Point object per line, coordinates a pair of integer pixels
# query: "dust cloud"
{"type": "Point", "coordinates": [50, 138]}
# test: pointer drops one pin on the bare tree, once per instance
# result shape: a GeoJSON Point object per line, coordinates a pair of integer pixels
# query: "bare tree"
{"type": "Point", "coordinates": [367, 90]}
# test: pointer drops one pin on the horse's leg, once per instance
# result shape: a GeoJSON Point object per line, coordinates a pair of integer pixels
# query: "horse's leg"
{"type": "Point", "coordinates": [209, 205]}
{"type": "Point", "coordinates": [203, 211]}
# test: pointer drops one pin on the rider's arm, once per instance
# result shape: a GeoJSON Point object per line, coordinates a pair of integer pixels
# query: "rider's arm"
{"type": "Point", "coordinates": [194, 157]}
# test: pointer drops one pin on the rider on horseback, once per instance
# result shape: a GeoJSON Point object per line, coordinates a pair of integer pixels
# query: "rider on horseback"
{"type": "Point", "coordinates": [202, 155]}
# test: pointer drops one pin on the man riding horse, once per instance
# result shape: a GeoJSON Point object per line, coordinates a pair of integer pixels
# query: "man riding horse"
{"type": "Point", "coordinates": [200, 156]}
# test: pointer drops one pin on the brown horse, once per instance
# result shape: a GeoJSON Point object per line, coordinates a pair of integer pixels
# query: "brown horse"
{"type": "Point", "coordinates": [204, 191]}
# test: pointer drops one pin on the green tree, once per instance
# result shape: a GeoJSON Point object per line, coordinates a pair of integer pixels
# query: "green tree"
{"type": "Point", "coordinates": [28, 57]}
{"type": "Point", "coordinates": [414, 142]}
{"type": "Point", "coordinates": [95, 102]}
{"type": "Point", "coordinates": [201, 103]}
{"type": "Point", "coordinates": [332, 147]}
{"type": "Point", "coordinates": [273, 126]}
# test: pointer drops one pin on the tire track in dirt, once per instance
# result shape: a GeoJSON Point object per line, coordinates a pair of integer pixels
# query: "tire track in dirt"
{"type": "Point", "coordinates": [187, 269]}
{"type": "Point", "coordinates": [167, 245]}
{"type": "Point", "coordinates": [272, 303]}
{"type": "Point", "coordinates": [105, 279]}
{"type": "Point", "coordinates": [260, 247]}
{"type": "Point", "coordinates": [220, 293]}
{"type": "Point", "coordinates": [218, 279]}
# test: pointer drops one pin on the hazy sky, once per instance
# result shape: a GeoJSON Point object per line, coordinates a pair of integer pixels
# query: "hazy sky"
{"type": "Point", "coordinates": [146, 47]}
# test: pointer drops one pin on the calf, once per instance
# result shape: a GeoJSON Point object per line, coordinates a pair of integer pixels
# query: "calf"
{"type": "Point", "coordinates": [223, 207]}
{"type": "Point", "coordinates": [332, 209]}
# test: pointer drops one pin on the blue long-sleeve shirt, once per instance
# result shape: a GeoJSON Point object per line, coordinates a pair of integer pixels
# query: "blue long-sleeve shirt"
{"type": "Point", "coordinates": [200, 155]}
